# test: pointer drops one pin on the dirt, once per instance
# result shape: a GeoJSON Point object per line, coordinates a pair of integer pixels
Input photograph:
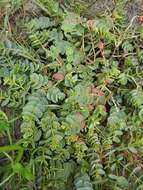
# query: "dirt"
{"type": "Point", "coordinates": [92, 8]}
{"type": "Point", "coordinates": [134, 8]}
{"type": "Point", "coordinates": [98, 7]}
{"type": "Point", "coordinates": [31, 8]}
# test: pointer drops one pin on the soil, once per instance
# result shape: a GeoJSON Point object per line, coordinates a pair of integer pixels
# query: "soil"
{"type": "Point", "coordinates": [134, 8]}
{"type": "Point", "coordinates": [98, 7]}
{"type": "Point", "coordinates": [92, 8]}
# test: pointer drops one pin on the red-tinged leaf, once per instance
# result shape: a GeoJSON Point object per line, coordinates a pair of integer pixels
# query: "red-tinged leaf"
{"type": "Point", "coordinates": [58, 76]}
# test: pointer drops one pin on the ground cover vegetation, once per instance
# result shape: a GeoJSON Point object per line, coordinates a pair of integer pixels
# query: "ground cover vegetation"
{"type": "Point", "coordinates": [71, 98]}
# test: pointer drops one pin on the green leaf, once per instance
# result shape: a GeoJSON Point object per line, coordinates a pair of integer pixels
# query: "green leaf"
{"type": "Point", "coordinates": [70, 22]}
{"type": "Point", "coordinates": [100, 171]}
{"type": "Point", "coordinates": [4, 125]}
{"type": "Point", "coordinates": [122, 182]}
{"type": "Point", "coordinates": [35, 106]}
{"type": "Point", "coordinates": [133, 150]}
{"type": "Point", "coordinates": [17, 168]}
{"type": "Point", "coordinates": [39, 23]}
{"type": "Point", "coordinates": [37, 135]}
{"type": "Point", "coordinates": [116, 139]}
{"type": "Point", "coordinates": [55, 95]}
{"type": "Point", "coordinates": [113, 176]}
{"type": "Point", "coordinates": [25, 172]}
{"type": "Point", "coordinates": [37, 80]}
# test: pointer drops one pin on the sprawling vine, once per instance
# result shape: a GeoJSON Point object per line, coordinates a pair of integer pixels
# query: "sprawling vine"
{"type": "Point", "coordinates": [74, 87]}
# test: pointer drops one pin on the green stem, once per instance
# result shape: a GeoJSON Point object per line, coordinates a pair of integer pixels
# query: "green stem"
{"type": "Point", "coordinates": [9, 136]}
{"type": "Point", "coordinates": [9, 148]}
{"type": "Point", "coordinates": [4, 181]}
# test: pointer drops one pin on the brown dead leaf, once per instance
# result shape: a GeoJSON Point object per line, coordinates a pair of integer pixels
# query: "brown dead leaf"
{"type": "Point", "coordinates": [96, 92]}
{"type": "Point", "coordinates": [101, 45]}
{"type": "Point", "coordinates": [90, 25]}
{"type": "Point", "coordinates": [81, 120]}
{"type": "Point", "coordinates": [58, 76]}
{"type": "Point", "coordinates": [90, 107]}
{"type": "Point", "coordinates": [106, 82]}
{"type": "Point", "coordinates": [140, 18]}
{"type": "Point", "coordinates": [75, 138]}
{"type": "Point", "coordinates": [50, 83]}
{"type": "Point", "coordinates": [60, 60]}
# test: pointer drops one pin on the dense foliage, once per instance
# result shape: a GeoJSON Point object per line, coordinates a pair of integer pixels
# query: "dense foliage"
{"type": "Point", "coordinates": [74, 88]}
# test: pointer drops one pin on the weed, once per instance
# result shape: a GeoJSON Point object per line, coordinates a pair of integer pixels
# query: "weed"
{"type": "Point", "coordinates": [75, 85]}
